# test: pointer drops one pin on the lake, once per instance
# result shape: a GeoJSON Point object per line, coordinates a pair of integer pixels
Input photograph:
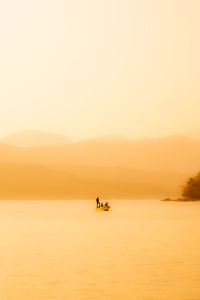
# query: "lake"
{"type": "Point", "coordinates": [141, 249]}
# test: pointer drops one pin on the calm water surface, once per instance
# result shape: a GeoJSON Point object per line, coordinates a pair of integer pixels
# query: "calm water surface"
{"type": "Point", "coordinates": [66, 250]}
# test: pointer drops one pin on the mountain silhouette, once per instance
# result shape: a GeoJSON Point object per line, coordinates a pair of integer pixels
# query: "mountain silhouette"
{"type": "Point", "coordinates": [32, 138]}
{"type": "Point", "coordinates": [79, 170]}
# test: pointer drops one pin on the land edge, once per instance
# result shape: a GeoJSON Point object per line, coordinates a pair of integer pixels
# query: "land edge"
{"type": "Point", "coordinates": [181, 200]}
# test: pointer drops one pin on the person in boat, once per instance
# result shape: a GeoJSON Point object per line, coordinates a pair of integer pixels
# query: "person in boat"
{"type": "Point", "coordinates": [106, 204]}
{"type": "Point", "coordinates": [98, 203]}
{"type": "Point", "coordinates": [101, 204]}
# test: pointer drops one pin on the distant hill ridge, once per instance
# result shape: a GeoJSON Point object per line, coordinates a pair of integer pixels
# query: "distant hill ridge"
{"type": "Point", "coordinates": [171, 154]}
{"type": "Point", "coordinates": [33, 181]}
{"type": "Point", "coordinates": [118, 169]}
{"type": "Point", "coordinates": [34, 138]}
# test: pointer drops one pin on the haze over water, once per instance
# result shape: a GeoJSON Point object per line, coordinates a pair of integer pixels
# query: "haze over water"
{"type": "Point", "coordinates": [66, 250]}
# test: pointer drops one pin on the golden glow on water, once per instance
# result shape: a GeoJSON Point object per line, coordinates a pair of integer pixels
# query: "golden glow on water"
{"type": "Point", "coordinates": [66, 250]}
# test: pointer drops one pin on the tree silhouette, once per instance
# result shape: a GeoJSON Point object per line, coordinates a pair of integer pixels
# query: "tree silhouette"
{"type": "Point", "coordinates": [192, 188]}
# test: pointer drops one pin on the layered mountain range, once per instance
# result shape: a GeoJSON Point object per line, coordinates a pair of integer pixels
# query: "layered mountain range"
{"type": "Point", "coordinates": [36, 165]}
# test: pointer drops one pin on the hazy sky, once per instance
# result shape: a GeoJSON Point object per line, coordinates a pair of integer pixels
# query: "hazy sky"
{"type": "Point", "coordinates": [95, 67]}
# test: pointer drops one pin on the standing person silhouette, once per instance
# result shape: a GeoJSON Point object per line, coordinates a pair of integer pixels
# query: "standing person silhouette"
{"type": "Point", "coordinates": [98, 203]}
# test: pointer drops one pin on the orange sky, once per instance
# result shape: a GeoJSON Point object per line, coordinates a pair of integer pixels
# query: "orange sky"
{"type": "Point", "coordinates": [87, 68]}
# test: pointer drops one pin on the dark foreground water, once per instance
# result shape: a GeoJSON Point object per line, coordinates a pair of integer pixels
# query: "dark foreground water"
{"type": "Point", "coordinates": [66, 250]}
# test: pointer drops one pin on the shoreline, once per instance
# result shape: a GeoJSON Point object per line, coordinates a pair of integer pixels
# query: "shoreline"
{"type": "Point", "coordinates": [180, 200]}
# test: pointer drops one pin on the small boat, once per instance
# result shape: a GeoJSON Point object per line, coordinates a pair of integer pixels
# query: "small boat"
{"type": "Point", "coordinates": [103, 208]}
